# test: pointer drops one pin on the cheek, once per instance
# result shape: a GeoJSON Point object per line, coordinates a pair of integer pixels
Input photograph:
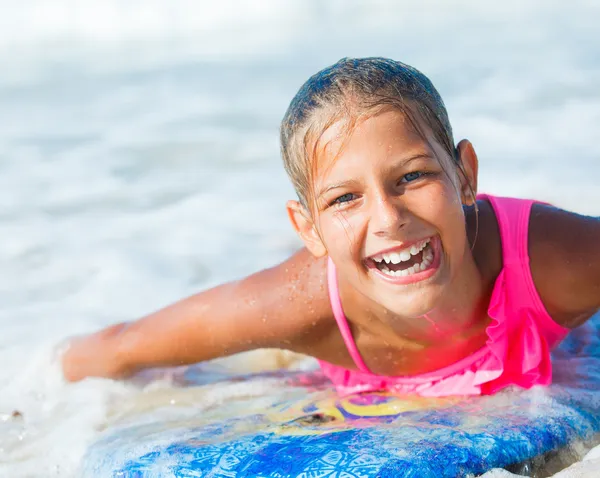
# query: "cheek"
{"type": "Point", "coordinates": [445, 211]}
{"type": "Point", "coordinates": [341, 233]}
{"type": "Point", "coordinates": [443, 204]}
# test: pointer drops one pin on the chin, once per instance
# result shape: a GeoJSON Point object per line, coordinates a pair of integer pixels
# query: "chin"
{"type": "Point", "coordinates": [411, 305]}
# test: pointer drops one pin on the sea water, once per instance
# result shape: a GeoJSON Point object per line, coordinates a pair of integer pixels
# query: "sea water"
{"type": "Point", "coordinates": [139, 159]}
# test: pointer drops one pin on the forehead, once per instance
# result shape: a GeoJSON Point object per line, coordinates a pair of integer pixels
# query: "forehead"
{"type": "Point", "coordinates": [374, 138]}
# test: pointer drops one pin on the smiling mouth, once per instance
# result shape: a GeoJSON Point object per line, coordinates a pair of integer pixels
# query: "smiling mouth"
{"type": "Point", "coordinates": [405, 262]}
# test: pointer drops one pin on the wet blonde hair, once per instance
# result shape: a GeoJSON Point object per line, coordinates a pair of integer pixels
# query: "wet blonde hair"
{"type": "Point", "coordinates": [353, 89]}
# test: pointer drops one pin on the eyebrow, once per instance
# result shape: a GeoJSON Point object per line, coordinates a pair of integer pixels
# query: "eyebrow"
{"type": "Point", "coordinates": [403, 162]}
{"type": "Point", "coordinates": [336, 186]}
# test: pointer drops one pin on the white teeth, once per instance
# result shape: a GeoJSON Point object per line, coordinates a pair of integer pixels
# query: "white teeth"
{"type": "Point", "coordinates": [403, 256]}
{"type": "Point", "coordinates": [428, 255]}
{"type": "Point", "coordinates": [395, 258]}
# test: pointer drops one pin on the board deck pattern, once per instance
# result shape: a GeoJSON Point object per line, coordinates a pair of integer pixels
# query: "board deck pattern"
{"type": "Point", "coordinates": [304, 430]}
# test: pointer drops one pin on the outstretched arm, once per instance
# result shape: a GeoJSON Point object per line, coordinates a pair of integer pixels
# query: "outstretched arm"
{"type": "Point", "coordinates": [565, 263]}
{"type": "Point", "coordinates": [279, 307]}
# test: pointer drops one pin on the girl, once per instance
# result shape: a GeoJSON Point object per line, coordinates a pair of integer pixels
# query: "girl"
{"type": "Point", "coordinates": [409, 281]}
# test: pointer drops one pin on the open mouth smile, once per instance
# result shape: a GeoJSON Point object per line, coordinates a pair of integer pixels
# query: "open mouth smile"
{"type": "Point", "coordinates": [409, 264]}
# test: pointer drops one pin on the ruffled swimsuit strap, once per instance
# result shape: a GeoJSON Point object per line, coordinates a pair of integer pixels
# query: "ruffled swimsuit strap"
{"type": "Point", "coordinates": [340, 317]}
{"type": "Point", "coordinates": [513, 216]}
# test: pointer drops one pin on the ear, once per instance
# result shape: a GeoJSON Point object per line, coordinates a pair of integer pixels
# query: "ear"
{"type": "Point", "coordinates": [470, 169]}
{"type": "Point", "coordinates": [305, 228]}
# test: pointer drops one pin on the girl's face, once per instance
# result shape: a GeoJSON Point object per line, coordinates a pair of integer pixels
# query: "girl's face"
{"type": "Point", "coordinates": [389, 213]}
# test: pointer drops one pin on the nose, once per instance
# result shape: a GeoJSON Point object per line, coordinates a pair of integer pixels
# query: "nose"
{"type": "Point", "coordinates": [388, 215]}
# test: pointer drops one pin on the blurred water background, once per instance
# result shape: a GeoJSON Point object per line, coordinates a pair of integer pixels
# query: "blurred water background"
{"type": "Point", "coordinates": [139, 156]}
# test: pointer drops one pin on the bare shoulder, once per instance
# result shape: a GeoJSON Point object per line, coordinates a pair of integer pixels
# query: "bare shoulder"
{"type": "Point", "coordinates": [564, 250]}
{"type": "Point", "coordinates": [292, 301]}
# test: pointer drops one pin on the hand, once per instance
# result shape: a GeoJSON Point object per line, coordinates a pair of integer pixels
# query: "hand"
{"type": "Point", "coordinates": [94, 355]}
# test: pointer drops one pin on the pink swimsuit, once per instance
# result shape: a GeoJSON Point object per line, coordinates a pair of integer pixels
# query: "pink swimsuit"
{"type": "Point", "coordinates": [520, 335]}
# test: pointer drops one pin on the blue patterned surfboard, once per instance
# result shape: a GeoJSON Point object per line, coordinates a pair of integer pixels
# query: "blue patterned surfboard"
{"type": "Point", "coordinates": [284, 424]}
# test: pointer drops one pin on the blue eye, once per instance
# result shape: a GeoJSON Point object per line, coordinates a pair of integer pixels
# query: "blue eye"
{"type": "Point", "coordinates": [344, 198]}
{"type": "Point", "coordinates": [412, 176]}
